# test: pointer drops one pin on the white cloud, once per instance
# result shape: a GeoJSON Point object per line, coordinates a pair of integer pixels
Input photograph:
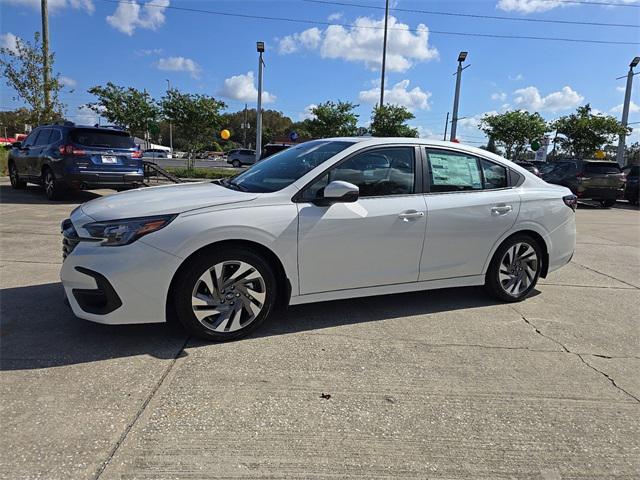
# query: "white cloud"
{"type": "Point", "coordinates": [85, 116]}
{"type": "Point", "coordinates": [67, 81]}
{"type": "Point", "coordinates": [399, 94]}
{"type": "Point", "coordinates": [364, 43]}
{"type": "Point", "coordinates": [621, 89]}
{"type": "Point", "coordinates": [633, 108]}
{"type": "Point", "coordinates": [307, 114]}
{"type": "Point", "coordinates": [516, 78]}
{"type": "Point", "coordinates": [424, 132]}
{"type": "Point", "coordinates": [179, 64]}
{"type": "Point", "coordinates": [129, 16]}
{"type": "Point", "coordinates": [528, 6]}
{"type": "Point", "coordinates": [530, 98]}
{"type": "Point", "coordinates": [9, 41]}
{"type": "Point", "coordinates": [242, 87]}
{"type": "Point", "coordinates": [499, 96]}
{"type": "Point", "coordinates": [335, 16]}
{"type": "Point", "coordinates": [86, 5]}
{"type": "Point", "coordinates": [149, 51]}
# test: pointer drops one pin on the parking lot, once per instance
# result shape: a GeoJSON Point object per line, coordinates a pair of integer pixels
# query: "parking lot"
{"type": "Point", "coordinates": [441, 384]}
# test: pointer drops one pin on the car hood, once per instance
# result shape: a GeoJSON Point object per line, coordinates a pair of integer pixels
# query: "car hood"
{"type": "Point", "coordinates": [163, 199]}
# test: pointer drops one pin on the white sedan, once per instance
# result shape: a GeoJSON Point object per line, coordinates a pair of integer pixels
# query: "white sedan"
{"type": "Point", "coordinates": [324, 220]}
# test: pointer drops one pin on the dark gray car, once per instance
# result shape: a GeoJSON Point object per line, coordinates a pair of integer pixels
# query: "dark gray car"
{"type": "Point", "coordinates": [240, 157]}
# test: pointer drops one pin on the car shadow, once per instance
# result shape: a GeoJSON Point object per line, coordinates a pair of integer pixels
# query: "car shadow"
{"type": "Point", "coordinates": [38, 330]}
{"type": "Point", "coordinates": [34, 195]}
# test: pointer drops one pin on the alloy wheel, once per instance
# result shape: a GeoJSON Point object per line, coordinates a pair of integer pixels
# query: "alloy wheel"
{"type": "Point", "coordinates": [228, 296]}
{"type": "Point", "coordinates": [518, 268]}
{"type": "Point", "coordinates": [13, 174]}
{"type": "Point", "coordinates": [49, 183]}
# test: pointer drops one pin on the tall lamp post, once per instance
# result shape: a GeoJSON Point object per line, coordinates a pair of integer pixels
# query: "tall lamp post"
{"type": "Point", "coordinates": [260, 48]}
{"type": "Point", "coordinates": [456, 99]}
{"type": "Point", "coordinates": [625, 110]}
{"type": "Point", "coordinates": [170, 124]}
{"type": "Point", "coordinates": [384, 53]}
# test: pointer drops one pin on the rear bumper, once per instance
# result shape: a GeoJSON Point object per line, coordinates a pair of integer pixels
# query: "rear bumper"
{"type": "Point", "coordinates": [595, 193]}
{"type": "Point", "coordinates": [87, 180]}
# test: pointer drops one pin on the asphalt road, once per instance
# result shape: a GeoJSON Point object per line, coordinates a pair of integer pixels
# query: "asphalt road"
{"type": "Point", "coordinates": [182, 163]}
{"type": "Point", "coordinates": [441, 385]}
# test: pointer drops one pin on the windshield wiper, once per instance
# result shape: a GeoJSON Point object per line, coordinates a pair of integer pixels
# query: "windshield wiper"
{"type": "Point", "coordinates": [233, 185]}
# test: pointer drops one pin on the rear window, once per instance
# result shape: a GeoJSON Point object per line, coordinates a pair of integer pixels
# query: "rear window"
{"type": "Point", "coordinates": [601, 168]}
{"type": "Point", "coordinates": [101, 138]}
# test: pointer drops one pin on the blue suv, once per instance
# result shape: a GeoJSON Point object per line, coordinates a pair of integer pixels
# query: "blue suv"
{"type": "Point", "coordinates": [64, 156]}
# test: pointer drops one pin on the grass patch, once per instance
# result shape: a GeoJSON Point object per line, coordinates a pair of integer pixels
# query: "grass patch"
{"type": "Point", "coordinates": [209, 173]}
{"type": "Point", "coordinates": [4, 155]}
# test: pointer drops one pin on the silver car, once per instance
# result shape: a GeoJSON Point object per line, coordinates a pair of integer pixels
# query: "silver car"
{"type": "Point", "coordinates": [240, 157]}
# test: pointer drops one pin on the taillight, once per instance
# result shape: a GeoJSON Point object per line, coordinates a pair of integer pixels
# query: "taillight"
{"type": "Point", "coordinates": [71, 150]}
{"type": "Point", "coordinates": [571, 201]}
{"type": "Point", "coordinates": [136, 154]}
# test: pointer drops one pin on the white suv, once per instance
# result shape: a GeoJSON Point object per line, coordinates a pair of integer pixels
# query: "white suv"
{"type": "Point", "coordinates": [323, 220]}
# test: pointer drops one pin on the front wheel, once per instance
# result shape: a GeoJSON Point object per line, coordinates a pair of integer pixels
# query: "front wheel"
{"type": "Point", "coordinates": [607, 203]}
{"type": "Point", "coordinates": [224, 294]}
{"type": "Point", "coordinates": [16, 182]}
{"type": "Point", "coordinates": [514, 269]}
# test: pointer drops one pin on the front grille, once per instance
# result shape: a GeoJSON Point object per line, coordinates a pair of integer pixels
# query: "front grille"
{"type": "Point", "coordinates": [70, 238]}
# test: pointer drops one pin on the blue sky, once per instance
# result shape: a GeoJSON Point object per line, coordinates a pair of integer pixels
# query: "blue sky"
{"type": "Point", "coordinates": [142, 45]}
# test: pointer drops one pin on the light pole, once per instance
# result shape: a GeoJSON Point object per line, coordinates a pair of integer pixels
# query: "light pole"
{"type": "Point", "coordinates": [260, 48]}
{"type": "Point", "coordinates": [625, 110]}
{"type": "Point", "coordinates": [456, 99]}
{"type": "Point", "coordinates": [170, 125]}
{"type": "Point", "coordinates": [384, 53]}
{"type": "Point", "coordinates": [46, 71]}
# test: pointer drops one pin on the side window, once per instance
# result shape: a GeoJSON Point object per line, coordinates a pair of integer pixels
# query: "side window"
{"type": "Point", "coordinates": [495, 176]}
{"type": "Point", "coordinates": [43, 137]}
{"type": "Point", "coordinates": [381, 172]}
{"type": "Point", "coordinates": [453, 171]}
{"type": "Point", "coordinates": [56, 136]}
{"type": "Point", "coordinates": [31, 138]}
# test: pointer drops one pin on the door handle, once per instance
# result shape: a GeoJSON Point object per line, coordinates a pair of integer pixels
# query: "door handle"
{"type": "Point", "coordinates": [501, 209]}
{"type": "Point", "coordinates": [410, 215]}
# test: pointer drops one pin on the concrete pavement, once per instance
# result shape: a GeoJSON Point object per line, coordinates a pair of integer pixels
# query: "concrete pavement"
{"type": "Point", "coordinates": [443, 384]}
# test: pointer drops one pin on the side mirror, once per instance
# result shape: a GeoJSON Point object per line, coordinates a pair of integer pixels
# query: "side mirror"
{"type": "Point", "coordinates": [16, 144]}
{"type": "Point", "coordinates": [339, 192]}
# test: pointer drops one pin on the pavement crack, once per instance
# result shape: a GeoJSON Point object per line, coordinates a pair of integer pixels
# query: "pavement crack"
{"type": "Point", "coordinates": [580, 356]}
{"type": "Point", "coordinates": [606, 275]}
{"type": "Point", "coordinates": [143, 407]}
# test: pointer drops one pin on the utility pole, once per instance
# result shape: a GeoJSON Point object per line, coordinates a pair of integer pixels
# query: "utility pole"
{"type": "Point", "coordinates": [45, 58]}
{"type": "Point", "coordinates": [170, 124]}
{"type": "Point", "coordinates": [245, 126]}
{"type": "Point", "coordinates": [456, 99]}
{"type": "Point", "coordinates": [260, 48]}
{"type": "Point", "coordinates": [446, 127]}
{"type": "Point", "coordinates": [625, 110]}
{"type": "Point", "coordinates": [384, 52]}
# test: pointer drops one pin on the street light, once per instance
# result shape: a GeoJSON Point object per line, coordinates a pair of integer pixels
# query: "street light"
{"type": "Point", "coordinates": [625, 111]}
{"type": "Point", "coordinates": [170, 124]}
{"type": "Point", "coordinates": [462, 56]}
{"type": "Point", "coordinates": [260, 49]}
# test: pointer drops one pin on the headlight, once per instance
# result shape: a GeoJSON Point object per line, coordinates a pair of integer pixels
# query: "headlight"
{"type": "Point", "coordinates": [123, 232]}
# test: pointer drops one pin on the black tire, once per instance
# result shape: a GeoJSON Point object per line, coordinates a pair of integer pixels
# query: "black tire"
{"type": "Point", "coordinates": [493, 284]}
{"type": "Point", "coordinates": [16, 183]}
{"type": "Point", "coordinates": [53, 189]}
{"type": "Point", "coordinates": [188, 279]}
{"type": "Point", "coordinates": [607, 203]}
{"type": "Point", "coordinates": [236, 163]}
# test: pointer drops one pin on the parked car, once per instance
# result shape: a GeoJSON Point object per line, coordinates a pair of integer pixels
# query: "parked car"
{"type": "Point", "coordinates": [631, 183]}
{"type": "Point", "coordinates": [323, 220]}
{"type": "Point", "coordinates": [529, 167]}
{"type": "Point", "coordinates": [597, 180]}
{"type": "Point", "coordinates": [156, 153]}
{"type": "Point", "coordinates": [65, 156]}
{"type": "Point", "coordinates": [240, 157]}
{"type": "Point", "coordinates": [273, 148]}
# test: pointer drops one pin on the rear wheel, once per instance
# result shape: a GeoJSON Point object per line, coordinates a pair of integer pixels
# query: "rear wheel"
{"type": "Point", "coordinates": [236, 163]}
{"type": "Point", "coordinates": [16, 182]}
{"type": "Point", "coordinates": [53, 189]}
{"type": "Point", "coordinates": [607, 203]}
{"type": "Point", "coordinates": [514, 269]}
{"type": "Point", "coordinates": [225, 294]}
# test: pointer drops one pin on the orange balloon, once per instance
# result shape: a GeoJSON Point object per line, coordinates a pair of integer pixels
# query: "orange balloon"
{"type": "Point", "coordinates": [225, 134]}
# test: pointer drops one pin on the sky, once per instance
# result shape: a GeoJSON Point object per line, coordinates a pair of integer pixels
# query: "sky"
{"type": "Point", "coordinates": [333, 51]}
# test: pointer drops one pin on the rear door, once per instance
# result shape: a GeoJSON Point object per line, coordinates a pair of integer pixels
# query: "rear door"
{"type": "Point", "coordinates": [39, 149]}
{"type": "Point", "coordinates": [470, 205]}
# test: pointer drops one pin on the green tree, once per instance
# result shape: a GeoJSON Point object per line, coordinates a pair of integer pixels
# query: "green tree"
{"type": "Point", "coordinates": [332, 120]}
{"type": "Point", "coordinates": [582, 133]}
{"type": "Point", "coordinates": [197, 118]}
{"type": "Point", "coordinates": [491, 146]}
{"type": "Point", "coordinates": [274, 124]}
{"type": "Point", "coordinates": [390, 121]}
{"type": "Point", "coordinates": [514, 130]}
{"type": "Point", "coordinates": [126, 107]}
{"type": "Point", "coordinates": [14, 121]}
{"type": "Point", "coordinates": [22, 67]}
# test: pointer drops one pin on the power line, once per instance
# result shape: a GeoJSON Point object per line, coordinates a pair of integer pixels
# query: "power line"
{"type": "Point", "coordinates": [473, 15]}
{"type": "Point", "coordinates": [416, 30]}
{"type": "Point", "coordinates": [585, 2]}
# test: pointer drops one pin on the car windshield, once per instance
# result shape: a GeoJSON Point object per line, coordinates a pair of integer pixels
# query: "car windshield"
{"type": "Point", "coordinates": [285, 167]}
{"type": "Point", "coordinates": [602, 168]}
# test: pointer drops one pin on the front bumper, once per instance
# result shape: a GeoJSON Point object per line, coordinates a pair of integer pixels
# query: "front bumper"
{"type": "Point", "coordinates": [118, 285]}
{"type": "Point", "coordinates": [93, 179]}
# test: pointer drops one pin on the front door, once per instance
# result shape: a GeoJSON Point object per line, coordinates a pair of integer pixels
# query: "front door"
{"type": "Point", "coordinates": [374, 241]}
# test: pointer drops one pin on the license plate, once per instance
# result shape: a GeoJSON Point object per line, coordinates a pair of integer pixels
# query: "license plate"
{"type": "Point", "coordinates": [109, 159]}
